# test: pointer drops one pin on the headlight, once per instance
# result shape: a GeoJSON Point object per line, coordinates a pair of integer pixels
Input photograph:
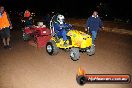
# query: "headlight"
{"type": "Point", "coordinates": [44, 31]}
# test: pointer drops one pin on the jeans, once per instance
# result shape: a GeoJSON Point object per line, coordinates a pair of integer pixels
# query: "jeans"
{"type": "Point", "coordinates": [94, 34]}
{"type": "Point", "coordinates": [62, 34]}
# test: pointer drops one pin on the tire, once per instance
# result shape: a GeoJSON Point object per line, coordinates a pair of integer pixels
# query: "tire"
{"type": "Point", "coordinates": [74, 54]}
{"type": "Point", "coordinates": [51, 48]}
{"type": "Point", "coordinates": [81, 80]}
{"type": "Point", "coordinates": [91, 51]}
{"type": "Point", "coordinates": [26, 37]}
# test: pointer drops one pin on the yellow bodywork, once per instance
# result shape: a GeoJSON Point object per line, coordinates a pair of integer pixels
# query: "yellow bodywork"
{"type": "Point", "coordinates": [78, 39]}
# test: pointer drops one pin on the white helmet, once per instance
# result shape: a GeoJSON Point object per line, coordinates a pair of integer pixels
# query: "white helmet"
{"type": "Point", "coordinates": [60, 19]}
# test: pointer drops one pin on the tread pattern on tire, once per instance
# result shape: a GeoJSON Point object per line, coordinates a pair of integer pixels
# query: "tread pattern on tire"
{"type": "Point", "coordinates": [76, 53]}
{"type": "Point", "coordinates": [55, 49]}
{"type": "Point", "coordinates": [92, 51]}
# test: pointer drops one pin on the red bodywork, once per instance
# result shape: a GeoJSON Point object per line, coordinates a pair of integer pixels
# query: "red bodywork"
{"type": "Point", "coordinates": [41, 35]}
{"type": "Point", "coordinates": [28, 30]}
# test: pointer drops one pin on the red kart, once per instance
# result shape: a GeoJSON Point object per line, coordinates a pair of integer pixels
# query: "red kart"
{"type": "Point", "coordinates": [39, 35]}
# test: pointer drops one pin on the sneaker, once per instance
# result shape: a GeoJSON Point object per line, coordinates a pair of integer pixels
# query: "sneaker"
{"type": "Point", "coordinates": [8, 47]}
{"type": "Point", "coordinates": [93, 45]}
{"type": "Point", "coordinates": [57, 39]}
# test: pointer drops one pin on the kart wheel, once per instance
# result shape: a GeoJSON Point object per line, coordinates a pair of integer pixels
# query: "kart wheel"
{"type": "Point", "coordinates": [91, 51]}
{"type": "Point", "coordinates": [51, 48]}
{"type": "Point", "coordinates": [81, 80]}
{"type": "Point", "coordinates": [74, 54]}
{"type": "Point", "coordinates": [26, 37]}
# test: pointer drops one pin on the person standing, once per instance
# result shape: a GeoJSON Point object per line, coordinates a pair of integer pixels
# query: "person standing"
{"type": "Point", "coordinates": [28, 20]}
{"type": "Point", "coordinates": [5, 26]}
{"type": "Point", "coordinates": [93, 24]}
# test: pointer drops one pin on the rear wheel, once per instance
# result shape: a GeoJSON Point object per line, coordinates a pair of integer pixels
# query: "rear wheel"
{"type": "Point", "coordinates": [91, 51]}
{"type": "Point", "coordinates": [74, 54]}
{"type": "Point", "coordinates": [51, 48]}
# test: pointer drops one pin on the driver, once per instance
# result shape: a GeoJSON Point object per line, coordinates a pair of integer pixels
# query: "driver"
{"type": "Point", "coordinates": [60, 28]}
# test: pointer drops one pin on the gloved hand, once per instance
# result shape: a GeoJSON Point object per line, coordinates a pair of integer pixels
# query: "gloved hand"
{"type": "Point", "coordinates": [68, 26]}
{"type": "Point", "coordinates": [11, 27]}
{"type": "Point", "coordinates": [87, 29]}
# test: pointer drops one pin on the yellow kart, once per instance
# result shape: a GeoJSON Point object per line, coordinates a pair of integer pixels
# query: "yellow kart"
{"type": "Point", "coordinates": [77, 41]}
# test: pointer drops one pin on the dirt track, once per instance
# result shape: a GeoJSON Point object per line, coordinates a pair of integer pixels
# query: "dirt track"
{"type": "Point", "coordinates": [26, 66]}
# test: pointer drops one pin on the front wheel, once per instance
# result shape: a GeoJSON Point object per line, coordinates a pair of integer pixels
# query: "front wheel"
{"type": "Point", "coordinates": [51, 48]}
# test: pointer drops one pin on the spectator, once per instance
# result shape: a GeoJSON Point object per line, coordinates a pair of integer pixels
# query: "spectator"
{"type": "Point", "coordinates": [5, 26]}
{"type": "Point", "coordinates": [93, 24]}
{"type": "Point", "coordinates": [27, 20]}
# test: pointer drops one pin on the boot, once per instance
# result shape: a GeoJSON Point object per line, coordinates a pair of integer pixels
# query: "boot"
{"type": "Point", "coordinates": [65, 44]}
{"type": "Point", "coordinates": [57, 39]}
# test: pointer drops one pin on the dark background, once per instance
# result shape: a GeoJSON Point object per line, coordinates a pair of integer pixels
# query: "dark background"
{"type": "Point", "coordinates": [73, 8]}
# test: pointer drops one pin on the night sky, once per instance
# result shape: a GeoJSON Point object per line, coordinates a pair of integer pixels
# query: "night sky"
{"type": "Point", "coordinates": [80, 8]}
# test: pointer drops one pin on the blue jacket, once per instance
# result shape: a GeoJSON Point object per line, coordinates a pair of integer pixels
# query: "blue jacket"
{"type": "Point", "coordinates": [94, 23]}
{"type": "Point", "coordinates": [59, 27]}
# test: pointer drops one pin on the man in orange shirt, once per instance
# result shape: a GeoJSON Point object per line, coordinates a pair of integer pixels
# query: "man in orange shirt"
{"type": "Point", "coordinates": [5, 26]}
